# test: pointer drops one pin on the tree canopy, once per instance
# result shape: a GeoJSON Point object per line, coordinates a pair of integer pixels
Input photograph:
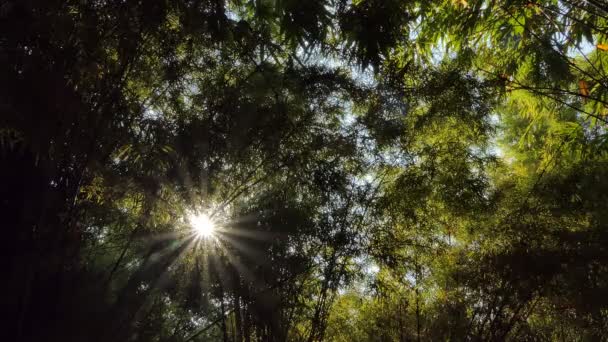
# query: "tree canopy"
{"type": "Point", "coordinates": [373, 170]}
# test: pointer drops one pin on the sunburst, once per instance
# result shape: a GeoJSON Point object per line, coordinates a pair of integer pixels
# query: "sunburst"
{"type": "Point", "coordinates": [202, 224]}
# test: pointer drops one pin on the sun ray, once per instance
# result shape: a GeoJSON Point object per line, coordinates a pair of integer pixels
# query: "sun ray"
{"type": "Point", "coordinates": [244, 271]}
{"type": "Point", "coordinates": [241, 246]}
{"type": "Point", "coordinates": [253, 234]}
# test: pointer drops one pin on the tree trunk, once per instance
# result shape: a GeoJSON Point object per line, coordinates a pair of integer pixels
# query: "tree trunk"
{"type": "Point", "coordinates": [417, 292]}
{"type": "Point", "coordinates": [247, 325]}
{"type": "Point", "coordinates": [238, 337]}
{"type": "Point", "coordinates": [223, 308]}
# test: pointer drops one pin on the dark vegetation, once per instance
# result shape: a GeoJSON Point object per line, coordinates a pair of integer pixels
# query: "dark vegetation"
{"type": "Point", "coordinates": [378, 170]}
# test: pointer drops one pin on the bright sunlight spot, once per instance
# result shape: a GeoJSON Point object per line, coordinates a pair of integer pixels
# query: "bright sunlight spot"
{"type": "Point", "coordinates": [202, 224]}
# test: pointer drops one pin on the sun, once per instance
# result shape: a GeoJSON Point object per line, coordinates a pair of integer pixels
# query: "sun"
{"type": "Point", "coordinates": [202, 224]}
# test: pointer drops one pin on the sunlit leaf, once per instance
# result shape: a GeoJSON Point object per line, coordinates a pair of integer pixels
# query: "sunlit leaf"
{"type": "Point", "coordinates": [583, 88]}
{"type": "Point", "coordinates": [603, 47]}
{"type": "Point", "coordinates": [462, 3]}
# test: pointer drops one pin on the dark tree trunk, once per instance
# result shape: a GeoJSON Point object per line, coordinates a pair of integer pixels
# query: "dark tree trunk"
{"type": "Point", "coordinates": [237, 318]}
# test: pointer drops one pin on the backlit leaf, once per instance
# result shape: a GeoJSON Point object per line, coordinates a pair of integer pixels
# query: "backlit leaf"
{"type": "Point", "coordinates": [583, 88]}
{"type": "Point", "coordinates": [603, 47]}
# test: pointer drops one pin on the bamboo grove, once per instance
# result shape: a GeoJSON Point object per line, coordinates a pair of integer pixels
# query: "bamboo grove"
{"type": "Point", "coordinates": [376, 170]}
